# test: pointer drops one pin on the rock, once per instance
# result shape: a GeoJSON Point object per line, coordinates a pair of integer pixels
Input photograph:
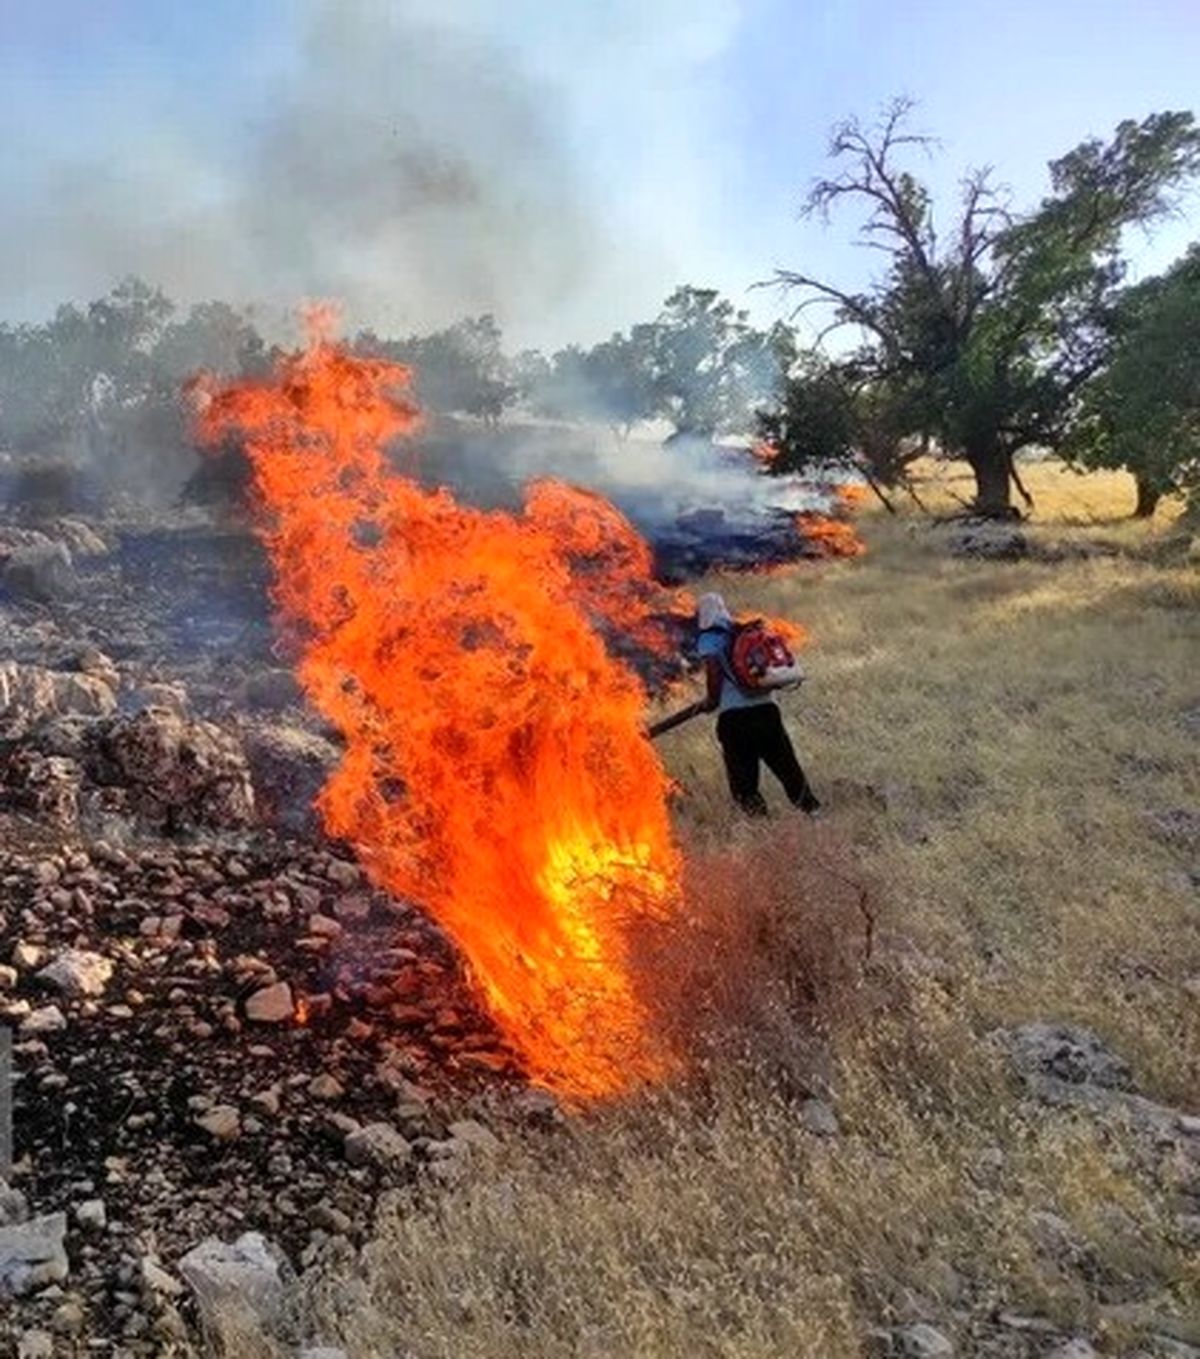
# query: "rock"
{"type": "Point", "coordinates": [989, 541]}
{"type": "Point", "coordinates": [325, 1087]}
{"type": "Point", "coordinates": [172, 698]}
{"type": "Point", "coordinates": [378, 1145]}
{"type": "Point", "coordinates": [1075, 1348]}
{"type": "Point", "coordinates": [343, 874]}
{"type": "Point", "coordinates": [26, 955]}
{"type": "Point", "coordinates": [83, 696]}
{"type": "Point", "coordinates": [8, 977]}
{"type": "Point", "coordinates": [32, 1255]}
{"type": "Point", "coordinates": [1066, 1052]}
{"type": "Point", "coordinates": [328, 928]}
{"type": "Point", "coordinates": [13, 1205]}
{"type": "Point", "coordinates": [266, 1101]}
{"type": "Point", "coordinates": [49, 1019]}
{"type": "Point", "coordinates": [271, 689]}
{"type": "Point", "coordinates": [923, 1341]}
{"type": "Point", "coordinates": [222, 1122]}
{"type": "Point", "coordinates": [156, 1280]}
{"type": "Point", "coordinates": [79, 536]}
{"type": "Point", "coordinates": [817, 1117]}
{"type": "Point", "coordinates": [41, 571]}
{"type": "Point", "coordinates": [288, 766]}
{"type": "Point", "coordinates": [91, 1215]}
{"type": "Point", "coordinates": [35, 1344]}
{"type": "Point", "coordinates": [243, 1275]}
{"type": "Point", "coordinates": [76, 972]}
{"type": "Point", "coordinates": [1176, 825]}
{"type": "Point", "coordinates": [177, 773]}
{"type": "Point", "coordinates": [322, 1352]}
{"type": "Point", "coordinates": [271, 1005]}
{"type": "Point", "coordinates": [475, 1136]}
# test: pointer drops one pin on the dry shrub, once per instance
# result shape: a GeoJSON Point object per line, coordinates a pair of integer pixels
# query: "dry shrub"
{"type": "Point", "coordinates": [768, 957]}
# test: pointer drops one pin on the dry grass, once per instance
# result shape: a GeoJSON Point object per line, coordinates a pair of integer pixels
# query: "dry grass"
{"type": "Point", "coordinates": [994, 741]}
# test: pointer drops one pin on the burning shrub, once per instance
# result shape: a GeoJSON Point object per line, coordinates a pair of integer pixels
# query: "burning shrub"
{"type": "Point", "coordinates": [495, 768]}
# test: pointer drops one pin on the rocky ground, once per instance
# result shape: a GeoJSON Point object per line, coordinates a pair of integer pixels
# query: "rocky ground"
{"type": "Point", "coordinates": [217, 1026]}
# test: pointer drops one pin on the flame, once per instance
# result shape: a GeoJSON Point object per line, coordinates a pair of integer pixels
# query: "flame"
{"type": "Point", "coordinates": [495, 771]}
{"type": "Point", "coordinates": [300, 1014]}
{"type": "Point", "coordinates": [835, 537]}
{"type": "Point", "coordinates": [765, 452]}
{"type": "Point", "coordinates": [852, 494]}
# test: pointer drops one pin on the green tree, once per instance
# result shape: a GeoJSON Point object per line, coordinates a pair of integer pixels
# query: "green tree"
{"type": "Point", "coordinates": [993, 327]}
{"type": "Point", "coordinates": [461, 369]}
{"type": "Point", "coordinates": [1142, 411]}
{"type": "Point", "coordinates": [712, 369]}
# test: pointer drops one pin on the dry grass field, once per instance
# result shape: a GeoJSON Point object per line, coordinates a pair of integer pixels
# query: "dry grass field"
{"type": "Point", "coordinates": [1008, 755]}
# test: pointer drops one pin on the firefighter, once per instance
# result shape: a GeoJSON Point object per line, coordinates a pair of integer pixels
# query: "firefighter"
{"type": "Point", "coordinates": [749, 726]}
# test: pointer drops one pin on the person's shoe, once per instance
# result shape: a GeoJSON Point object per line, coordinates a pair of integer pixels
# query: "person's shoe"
{"type": "Point", "coordinates": [814, 813]}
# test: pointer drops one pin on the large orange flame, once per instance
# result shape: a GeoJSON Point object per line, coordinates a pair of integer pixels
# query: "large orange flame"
{"type": "Point", "coordinates": [495, 771]}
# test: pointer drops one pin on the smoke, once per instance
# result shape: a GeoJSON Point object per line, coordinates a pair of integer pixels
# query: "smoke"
{"type": "Point", "coordinates": [417, 161]}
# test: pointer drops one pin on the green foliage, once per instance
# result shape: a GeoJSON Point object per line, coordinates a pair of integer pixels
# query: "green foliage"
{"type": "Point", "coordinates": [460, 369]}
{"type": "Point", "coordinates": [990, 330]}
{"type": "Point", "coordinates": [711, 368]}
{"type": "Point", "coordinates": [1142, 412]}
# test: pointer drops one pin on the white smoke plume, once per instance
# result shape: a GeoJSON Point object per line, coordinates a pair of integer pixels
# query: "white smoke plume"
{"type": "Point", "coordinates": [418, 161]}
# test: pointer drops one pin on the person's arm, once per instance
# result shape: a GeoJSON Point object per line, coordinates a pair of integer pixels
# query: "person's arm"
{"type": "Point", "coordinates": [713, 677]}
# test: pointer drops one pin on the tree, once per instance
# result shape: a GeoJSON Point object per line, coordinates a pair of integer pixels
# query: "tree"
{"type": "Point", "coordinates": [213, 338]}
{"type": "Point", "coordinates": [460, 369]}
{"type": "Point", "coordinates": [993, 328]}
{"type": "Point", "coordinates": [1142, 411]}
{"type": "Point", "coordinates": [712, 369]}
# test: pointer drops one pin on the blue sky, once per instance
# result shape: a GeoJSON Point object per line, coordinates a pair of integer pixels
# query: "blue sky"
{"type": "Point", "coordinates": [562, 165]}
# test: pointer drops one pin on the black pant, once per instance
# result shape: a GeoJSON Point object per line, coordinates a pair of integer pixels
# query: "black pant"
{"type": "Point", "coordinates": [748, 735]}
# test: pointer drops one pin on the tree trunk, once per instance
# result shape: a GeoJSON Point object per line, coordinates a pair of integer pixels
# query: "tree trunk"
{"type": "Point", "coordinates": [991, 482]}
{"type": "Point", "coordinates": [1148, 496]}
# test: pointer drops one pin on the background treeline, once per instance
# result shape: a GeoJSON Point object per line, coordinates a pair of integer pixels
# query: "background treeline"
{"type": "Point", "coordinates": [997, 332]}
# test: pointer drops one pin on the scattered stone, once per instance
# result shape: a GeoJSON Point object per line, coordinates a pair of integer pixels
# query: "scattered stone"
{"type": "Point", "coordinates": [1075, 1348]}
{"type": "Point", "coordinates": [818, 1118]}
{"type": "Point", "coordinates": [325, 1087]}
{"type": "Point", "coordinates": [156, 1280]}
{"type": "Point", "coordinates": [13, 1205]}
{"type": "Point", "coordinates": [76, 972]}
{"type": "Point", "coordinates": [222, 1122]}
{"type": "Point", "coordinates": [474, 1135]}
{"type": "Point", "coordinates": [244, 1274]}
{"type": "Point", "coordinates": [26, 955]}
{"type": "Point", "coordinates": [266, 1101]}
{"type": "Point", "coordinates": [378, 1145]}
{"type": "Point", "coordinates": [8, 977]}
{"type": "Point", "coordinates": [1066, 1052]}
{"type": "Point", "coordinates": [35, 1344]}
{"type": "Point", "coordinates": [989, 541]}
{"type": "Point", "coordinates": [271, 1005]}
{"type": "Point", "coordinates": [48, 1019]}
{"type": "Point", "coordinates": [41, 571]}
{"type": "Point", "coordinates": [32, 1255]}
{"type": "Point", "coordinates": [322, 1352]}
{"type": "Point", "coordinates": [91, 1215]}
{"type": "Point", "coordinates": [923, 1341]}
{"type": "Point", "coordinates": [343, 874]}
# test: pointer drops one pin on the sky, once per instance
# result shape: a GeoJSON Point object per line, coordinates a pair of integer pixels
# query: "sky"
{"type": "Point", "coordinates": [563, 166]}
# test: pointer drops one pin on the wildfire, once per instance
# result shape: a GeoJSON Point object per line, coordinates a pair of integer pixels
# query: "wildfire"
{"type": "Point", "coordinates": [835, 537]}
{"type": "Point", "coordinates": [495, 770]}
{"type": "Point", "coordinates": [765, 453]}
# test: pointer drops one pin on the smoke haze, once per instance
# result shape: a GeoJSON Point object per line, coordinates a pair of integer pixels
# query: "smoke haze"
{"type": "Point", "coordinates": [417, 161]}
